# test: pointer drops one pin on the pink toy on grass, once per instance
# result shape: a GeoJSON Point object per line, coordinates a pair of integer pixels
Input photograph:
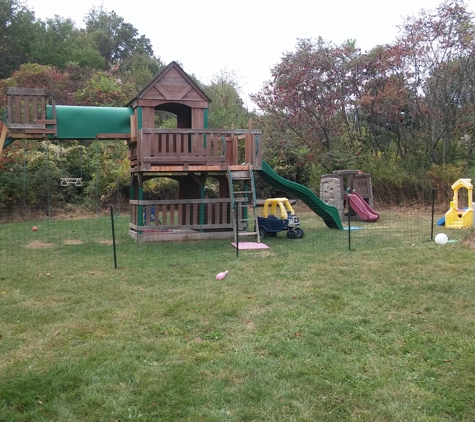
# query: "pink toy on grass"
{"type": "Point", "coordinates": [220, 276]}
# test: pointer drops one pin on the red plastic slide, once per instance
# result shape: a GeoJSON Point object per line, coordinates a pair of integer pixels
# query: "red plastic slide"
{"type": "Point", "coordinates": [360, 206]}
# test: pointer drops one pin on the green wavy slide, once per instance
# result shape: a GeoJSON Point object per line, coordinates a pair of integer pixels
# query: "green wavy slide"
{"type": "Point", "coordinates": [328, 213]}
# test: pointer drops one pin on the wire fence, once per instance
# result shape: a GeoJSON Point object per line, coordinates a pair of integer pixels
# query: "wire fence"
{"type": "Point", "coordinates": [42, 240]}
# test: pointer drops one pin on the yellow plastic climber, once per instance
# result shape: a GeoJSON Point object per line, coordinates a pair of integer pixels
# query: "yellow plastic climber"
{"type": "Point", "coordinates": [455, 217]}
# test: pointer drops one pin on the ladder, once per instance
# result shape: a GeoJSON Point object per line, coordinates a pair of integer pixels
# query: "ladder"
{"type": "Point", "coordinates": [242, 191]}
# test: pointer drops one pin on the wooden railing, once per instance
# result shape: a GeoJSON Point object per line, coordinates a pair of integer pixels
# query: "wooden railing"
{"type": "Point", "coordinates": [201, 147]}
{"type": "Point", "coordinates": [194, 214]}
{"type": "Point", "coordinates": [27, 112]}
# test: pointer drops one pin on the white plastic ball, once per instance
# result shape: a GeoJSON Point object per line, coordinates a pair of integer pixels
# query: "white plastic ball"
{"type": "Point", "coordinates": [441, 239]}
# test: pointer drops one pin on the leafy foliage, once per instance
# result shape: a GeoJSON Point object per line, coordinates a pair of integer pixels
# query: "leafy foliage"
{"type": "Point", "coordinates": [16, 28]}
{"type": "Point", "coordinates": [115, 39]}
{"type": "Point", "coordinates": [227, 108]}
{"type": "Point", "coordinates": [58, 41]}
{"type": "Point", "coordinates": [408, 105]}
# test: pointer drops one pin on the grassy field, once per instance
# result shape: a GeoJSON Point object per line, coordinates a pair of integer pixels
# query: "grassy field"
{"type": "Point", "coordinates": [304, 331]}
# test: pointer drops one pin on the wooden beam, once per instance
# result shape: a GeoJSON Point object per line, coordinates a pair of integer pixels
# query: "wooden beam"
{"type": "Point", "coordinates": [3, 137]}
{"type": "Point", "coordinates": [113, 136]}
{"type": "Point", "coordinates": [196, 178]}
{"type": "Point", "coordinates": [133, 128]}
{"type": "Point", "coordinates": [44, 121]}
{"type": "Point", "coordinates": [26, 91]}
{"type": "Point", "coordinates": [155, 235]}
{"type": "Point", "coordinates": [41, 130]}
{"type": "Point", "coordinates": [18, 135]}
{"type": "Point", "coordinates": [22, 126]}
{"type": "Point", "coordinates": [196, 168]}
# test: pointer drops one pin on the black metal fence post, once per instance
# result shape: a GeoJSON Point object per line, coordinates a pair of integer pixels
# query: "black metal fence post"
{"type": "Point", "coordinates": [433, 210]}
{"type": "Point", "coordinates": [237, 227]}
{"type": "Point", "coordinates": [113, 237]}
{"type": "Point", "coordinates": [349, 223]}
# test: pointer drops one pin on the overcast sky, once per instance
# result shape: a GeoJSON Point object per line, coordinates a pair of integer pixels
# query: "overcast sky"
{"type": "Point", "coordinates": [244, 36]}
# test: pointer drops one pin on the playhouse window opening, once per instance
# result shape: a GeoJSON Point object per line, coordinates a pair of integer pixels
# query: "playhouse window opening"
{"type": "Point", "coordinates": [462, 198]}
{"type": "Point", "coordinates": [165, 120]}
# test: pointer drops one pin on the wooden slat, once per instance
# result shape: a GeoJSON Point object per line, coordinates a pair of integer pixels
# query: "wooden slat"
{"type": "Point", "coordinates": [34, 106]}
{"type": "Point", "coordinates": [172, 168]}
{"type": "Point", "coordinates": [26, 109]}
{"type": "Point", "coordinates": [160, 215]}
{"type": "Point", "coordinates": [195, 214]}
{"type": "Point", "coordinates": [186, 227]}
{"type": "Point", "coordinates": [17, 116]}
{"type": "Point", "coordinates": [162, 143]}
{"type": "Point", "coordinates": [44, 121]}
{"type": "Point", "coordinates": [42, 114]}
{"type": "Point", "coordinates": [45, 131]}
{"type": "Point", "coordinates": [169, 159]}
{"type": "Point", "coordinates": [23, 135]}
{"type": "Point", "coordinates": [26, 126]}
{"type": "Point", "coordinates": [26, 91]}
{"type": "Point", "coordinates": [10, 110]}
{"type": "Point", "coordinates": [164, 202]}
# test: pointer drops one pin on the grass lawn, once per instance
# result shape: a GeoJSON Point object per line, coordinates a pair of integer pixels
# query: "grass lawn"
{"type": "Point", "coordinates": [304, 331]}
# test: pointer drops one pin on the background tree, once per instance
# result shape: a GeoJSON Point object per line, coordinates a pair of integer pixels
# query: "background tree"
{"type": "Point", "coordinates": [439, 54]}
{"type": "Point", "coordinates": [116, 40]}
{"type": "Point", "coordinates": [16, 29]}
{"type": "Point", "coordinates": [306, 100]}
{"type": "Point", "coordinates": [58, 41]}
{"type": "Point", "coordinates": [226, 108]}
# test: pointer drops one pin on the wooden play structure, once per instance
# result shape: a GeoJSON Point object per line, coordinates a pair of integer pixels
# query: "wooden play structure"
{"type": "Point", "coordinates": [191, 154]}
{"type": "Point", "coordinates": [460, 216]}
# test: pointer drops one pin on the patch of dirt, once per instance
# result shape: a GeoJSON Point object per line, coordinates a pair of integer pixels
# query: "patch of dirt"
{"type": "Point", "coordinates": [72, 242]}
{"type": "Point", "coordinates": [105, 242]}
{"type": "Point", "coordinates": [39, 245]}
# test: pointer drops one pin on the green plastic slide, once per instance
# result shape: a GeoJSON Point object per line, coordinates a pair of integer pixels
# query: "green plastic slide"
{"type": "Point", "coordinates": [328, 213]}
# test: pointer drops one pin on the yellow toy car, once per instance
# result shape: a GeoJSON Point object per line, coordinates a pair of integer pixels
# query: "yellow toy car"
{"type": "Point", "coordinates": [278, 215]}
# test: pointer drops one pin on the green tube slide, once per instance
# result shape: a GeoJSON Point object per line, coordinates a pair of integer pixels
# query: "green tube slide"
{"type": "Point", "coordinates": [328, 213]}
{"type": "Point", "coordinates": [81, 122]}
{"type": "Point", "coordinates": [77, 122]}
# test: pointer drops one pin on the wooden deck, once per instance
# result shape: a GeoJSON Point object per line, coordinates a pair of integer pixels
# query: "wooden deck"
{"type": "Point", "coordinates": [164, 150]}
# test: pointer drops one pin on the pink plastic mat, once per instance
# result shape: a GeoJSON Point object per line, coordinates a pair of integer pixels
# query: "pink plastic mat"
{"type": "Point", "coordinates": [250, 245]}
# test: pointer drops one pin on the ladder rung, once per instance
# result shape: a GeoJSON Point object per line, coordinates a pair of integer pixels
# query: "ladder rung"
{"type": "Point", "coordinates": [240, 174]}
